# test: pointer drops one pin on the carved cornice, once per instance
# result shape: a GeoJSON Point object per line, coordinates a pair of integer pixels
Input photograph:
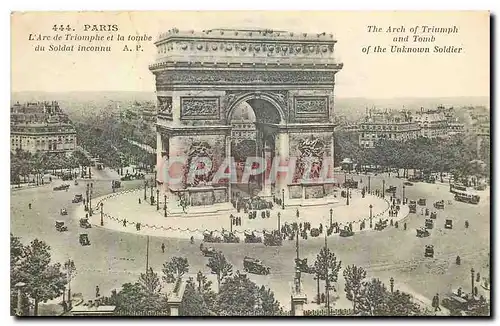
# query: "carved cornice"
{"type": "Point", "coordinates": [193, 130]}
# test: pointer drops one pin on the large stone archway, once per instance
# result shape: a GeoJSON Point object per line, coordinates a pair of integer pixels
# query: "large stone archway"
{"type": "Point", "coordinates": [202, 76]}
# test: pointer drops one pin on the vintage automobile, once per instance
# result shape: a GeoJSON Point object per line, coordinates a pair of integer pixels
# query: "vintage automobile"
{"type": "Point", "coordinates": [391, 189]}
{"type": "Point", "coordinates": [252, 238]}
{"type": "Point", "coordinates": [208, 236]}
{"type": "Point", "coordinates": [422, 201]}
{"type": "Point", "coordinates": [439, 204]}
{"type": "Point", "coordinates": [207, 251]}
{"type": "Point", "coordinates": [229, 237]}
{"type": "Point", "coordinates": [60, 226]}
{"type": "Point", "coordinates": [434, 215]}
{"type": "Point", "coordinates": [84, 223]}
{"type": "Point", "coordinates": [454, 302]}
{"type": "Point", "coordinates": [302, 265]}
{"type": "Point", "coordinates": [408, 183]}
{"type": "Point", "coordinates": [84, 239]}
{"type": "Point", "coordinates": [429, 251]}
{"type": "Point", "coordinates": [77, 199]}
{"type": "Point", "coordinates": [272, 239]}
{"type": "Point", "coordinates": [314, 232]}
{"type": "Point", "coordinates": [448, 224]}
{"type": "Point", "coordinates": [64, 211]}
{"type": "Point", "coordinates": [429, 224]}
{"type": "Point", "coordinates": [64, 186]}
{"type": "Point", "coordinates": [255, 266]}
{"type": "Point", "coordinates": [422, 233]}
{"type": "Point", "coordinates": [116, 184]}
{"type": "Point", "coordinates": [380, 225]}
{"type": "Point", "coordinates": [346, 232]}
{"type": "Point", "coordinates": [412, 206]}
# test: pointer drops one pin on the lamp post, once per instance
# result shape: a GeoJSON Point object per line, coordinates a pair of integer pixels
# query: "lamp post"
{"type": "Point", "coordinates": [331, 217]}
{"type": "Point", "coordinates": [347, 195]}
{"type": "Point", "coordinates": [152, 198]}
{"type": "Point", "coordinates": [156, 178]}
{"type": "Point", "coordinates": [69, 266]}
{"type": "Point", "coordinates": [279, 224]}
{"type": "Point", "coordinates": [165, 205]}
{"type": "Point", "coordinates": [403, 194]}
{"type": "Point", "coordinates": [231, 217]}
{"type": "Point", "coordinates": [392, 284]}
{"type": "Point", "coordinates": [102, 215]}
{"type": "Point", "coordinates": [369, 185]}
{"type": "Point", "coordinates": [383, 188]}
{"type": "Point", "coordinates": [145, 187]}
{"type": "Point", "coordinates": [371, 215]}
{"type": "Point", "coordinates": [282, 198]}
{"type": "Point", "coordinates": [90, 198]}
{"type": "Point", "coordinates": [472, 280]}
{"type": "Point", "coordinates": [157, 199]}
{"type": "Point", "coordinates": [87, 192]}
{"type": "Point", "coordinates": [19, 286]}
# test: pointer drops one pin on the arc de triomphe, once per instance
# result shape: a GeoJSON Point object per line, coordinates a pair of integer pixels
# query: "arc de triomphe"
{"type": "Point", "coordinates": [287, 78]}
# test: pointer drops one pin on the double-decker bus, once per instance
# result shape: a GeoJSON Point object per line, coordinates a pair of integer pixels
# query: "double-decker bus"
{"type": "Point", "coordinates": [454, 188]}
{"type": "Point", "coordinates": [466, 197]}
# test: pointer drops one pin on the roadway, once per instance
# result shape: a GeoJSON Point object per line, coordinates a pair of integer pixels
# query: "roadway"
{"type": "Point", "coordinates": [115, 257]}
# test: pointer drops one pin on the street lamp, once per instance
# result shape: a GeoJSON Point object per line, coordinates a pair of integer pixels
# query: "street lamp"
{"type": "Point", "coordinates": [282, 198]}
{"type": "Point", "coordinates": [347, 193]}
{"type": "Point", "coordinates": [145, 187]}
{"type": "Point", "coordinates": [157, 199]}
{"type": "Point", "coordinates": [472, 280]}
{"type": "Point", "coordinates": [383, 188]}
{"type": "Point", "coordinates": [331, 217]}
{"type": "Point", "coordinates": [392, 284]}
{"type": "Point", "coordinates": [369, 185]}
{"type": "Point", "coordinates": [371, 215]}
{"type": "Point", "coordinates": [151, 195]}
{"type": "Point", "coordinates": [279, 224]}
{"type": "Point", "coordinates": [69, 266]}
{"type": "Point", "coordinates": [156, 178]}
{"type": "Point", "coordinates": [165, 205]}
{"type": "Point", "coordinates": [19, 286]}
{"type": "Point", "coordinates": [404, 194]}
{"type": "Point", "coordinates": [90, 198]}
{"type": "Point", "coordinates": [102, 215]}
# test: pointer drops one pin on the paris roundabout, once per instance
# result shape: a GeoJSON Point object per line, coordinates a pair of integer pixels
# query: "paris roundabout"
{"type": "Point", "coordinates": [127, 211]}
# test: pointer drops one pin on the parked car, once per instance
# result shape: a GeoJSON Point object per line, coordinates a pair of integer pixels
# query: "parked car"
{"type": "Point", "coordinates": [252, 238]}
{"type": "Point", "coordinates": [210, 237]}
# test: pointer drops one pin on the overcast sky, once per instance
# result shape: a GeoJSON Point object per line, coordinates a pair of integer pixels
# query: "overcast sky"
{"type": "Point", "coordinates": [373, 75]}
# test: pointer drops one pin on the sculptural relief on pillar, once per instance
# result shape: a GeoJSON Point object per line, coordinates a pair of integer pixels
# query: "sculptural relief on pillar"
{"type": "Point", "coordinates": [310, 160]}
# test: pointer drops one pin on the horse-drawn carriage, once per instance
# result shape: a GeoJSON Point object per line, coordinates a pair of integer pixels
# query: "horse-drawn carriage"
{"type": "Point", "coordinates": [208, 236]}
{"type": "Point", "coordinates": [422, 232]}
{"type": "Point", "coordinates": [252, 238]}
{"type": "Point", "coordinates": [272, 239]}
{"type": "Point", "coordinates": [255, 266]}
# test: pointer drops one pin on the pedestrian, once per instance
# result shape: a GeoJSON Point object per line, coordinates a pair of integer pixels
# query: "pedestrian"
{"type": "Point", "coordinates": [435, 303]}
{"type": "Point", "coordinates": [139, 201]}
{"type": "Point", "coordinates": [404, 226]}
{"type": "Point", "coordinates": [163, 248]}
{"type": "Point", "coordinates": [466, 224]}
{"type": "Point", "coordinates": [29, 206]}
{"type": "Point", "coordinates": [458, 260]}
{"type": "Point", "coordinates": [97, 294]}
{"type": "Point", "coordinates": [124, 222]}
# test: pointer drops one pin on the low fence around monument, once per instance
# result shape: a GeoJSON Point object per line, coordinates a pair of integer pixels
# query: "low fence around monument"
{"type": "Point", "coordinates": [201, 231]}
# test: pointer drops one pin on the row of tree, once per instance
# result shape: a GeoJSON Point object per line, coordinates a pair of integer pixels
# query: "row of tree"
{"type": "Point", "coordinates": [456, 154]}
{"type": "Point", "coordinates": [24, 164]}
